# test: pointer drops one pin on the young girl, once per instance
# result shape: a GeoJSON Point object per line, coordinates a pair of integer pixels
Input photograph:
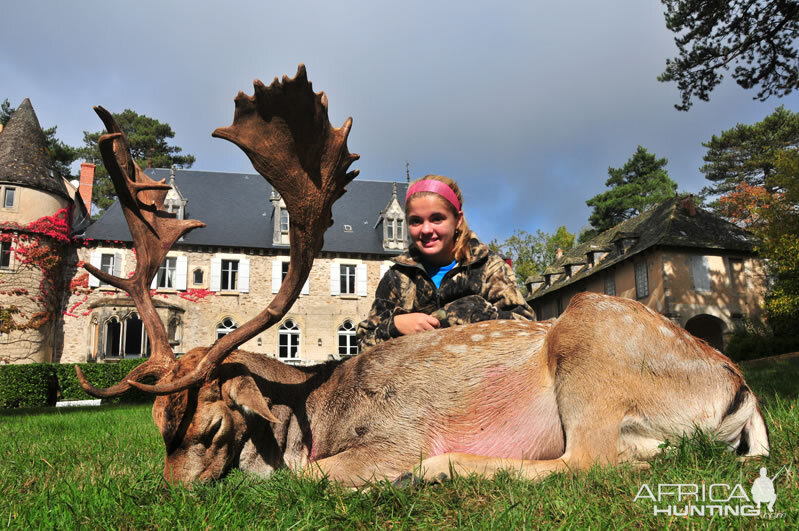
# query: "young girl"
{"type": "Point", "coordinates": [447, 277]}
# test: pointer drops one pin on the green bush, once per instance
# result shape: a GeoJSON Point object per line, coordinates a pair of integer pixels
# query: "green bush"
{"type": "Point", "coordinates": [42, 384]}
{"type": "Point", "coordinates": [31, 385]}
{"type": "Point", "coordinates": [751, 341]}
{"type": "Point", "coordinates": [99, 375]}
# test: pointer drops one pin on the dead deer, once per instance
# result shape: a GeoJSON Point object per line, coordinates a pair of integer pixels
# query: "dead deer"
{"type": "Point", "coordinates": [608, 381]}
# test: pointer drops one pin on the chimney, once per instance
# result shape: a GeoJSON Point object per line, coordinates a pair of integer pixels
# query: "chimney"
{"type": "Point", "coordinates": [559, 254]}
{"type": "Point", "coordinates": [86, 184]}
{"type": "Point", "coordinates": [689, 205]}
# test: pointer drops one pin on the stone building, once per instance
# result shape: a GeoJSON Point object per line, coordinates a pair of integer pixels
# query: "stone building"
{"type": "Point", "coordinates": [216, 278]}
{"type": "Point", "coordinates": [688, 264]}
{"type": "Point", "coordinates": [38, 209]}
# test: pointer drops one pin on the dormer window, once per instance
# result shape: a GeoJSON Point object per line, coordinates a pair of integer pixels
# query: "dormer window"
{"type": "Point", "coordinates": [284, 221]}
{"type": "Point", "coordinates": [174, 202]}
{"type": "Point", "coordinates": [280, 218]}
{"type": "Point", "coordinates": [393, 219]}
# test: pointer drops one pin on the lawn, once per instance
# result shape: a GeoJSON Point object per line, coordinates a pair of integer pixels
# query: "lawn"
{"type": "Point", "coordinates": [101, 468]}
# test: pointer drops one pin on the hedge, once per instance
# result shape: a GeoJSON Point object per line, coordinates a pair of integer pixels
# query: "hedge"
{"type": "Point", "coordinates": [43, 384]}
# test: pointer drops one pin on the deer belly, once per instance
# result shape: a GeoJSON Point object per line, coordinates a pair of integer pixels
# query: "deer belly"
{"type": "Point", "coordinates": [500, 423]}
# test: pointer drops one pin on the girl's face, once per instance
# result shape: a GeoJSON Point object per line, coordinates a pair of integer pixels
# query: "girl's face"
{"type": "Point", "coordinates": [432, 226]}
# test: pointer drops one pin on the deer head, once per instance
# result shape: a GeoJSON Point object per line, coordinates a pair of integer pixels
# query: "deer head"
{"type": "Point", "coordinates": [285, 131]}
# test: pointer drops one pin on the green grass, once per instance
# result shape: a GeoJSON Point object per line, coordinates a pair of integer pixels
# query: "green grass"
{"type": "Point", "coordinates": [101, 468]}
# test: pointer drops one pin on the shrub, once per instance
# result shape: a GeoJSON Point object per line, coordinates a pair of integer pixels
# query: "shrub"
{"type": "Point", "coordinates": [31, 385]}
{"type": "Point", "coordinates": [42, 384]}
{"type": "Point", "coordinates": [751, 341]}
{"type": "Point", "coordinates": [100, 375]}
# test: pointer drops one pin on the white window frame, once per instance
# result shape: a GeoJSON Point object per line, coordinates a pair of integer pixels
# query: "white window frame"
{"type": "Point", "coordinates": [359, 287]}
{"type": "Point", "coordinates": [113, 267]}
{"type": "Point", "coordinates": [346, 275]}
{"type": "Point", "coordinates": [641, 280]}
{"type": "Point", "coordinates": [223, 329]}
{"type": "Point", "coordinates": [288, 340]}
{"type": "Point", "coordinates": [229, 274]}
{"type": "Point", "coordinates": [285, 221]}
{"type": "Point", "coordinates": [167, 271]}
{"type": "Point", "coordinates": [346, 332]}
{"type": "Point", "coordinates": [280, 267]}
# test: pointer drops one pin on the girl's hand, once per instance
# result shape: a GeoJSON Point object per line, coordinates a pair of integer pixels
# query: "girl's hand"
{"type": "Point", "coordinates": [411, 323]}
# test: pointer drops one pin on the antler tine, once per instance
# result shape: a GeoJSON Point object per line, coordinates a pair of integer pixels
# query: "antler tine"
{"type": "Point", "coordinates": [285, 131]}
{"type": "Point", "coordinates": [154, 232]}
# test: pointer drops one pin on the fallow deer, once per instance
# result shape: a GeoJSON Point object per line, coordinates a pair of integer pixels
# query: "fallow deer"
{"type": "Point", "coordinates": [608, 381]}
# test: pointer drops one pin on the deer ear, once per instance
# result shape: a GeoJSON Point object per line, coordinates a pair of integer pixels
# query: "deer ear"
{"type": "Point", "coordinates": [243, 392]}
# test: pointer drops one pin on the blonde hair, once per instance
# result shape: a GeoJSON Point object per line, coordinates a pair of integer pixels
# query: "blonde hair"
{"type": "Point", "coordinates": [462, 234]}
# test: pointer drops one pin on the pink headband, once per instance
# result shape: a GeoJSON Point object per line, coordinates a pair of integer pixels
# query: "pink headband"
{"type": "Point", "coordinates": [437, 187]}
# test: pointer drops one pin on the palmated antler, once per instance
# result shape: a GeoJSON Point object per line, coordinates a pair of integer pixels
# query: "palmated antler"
{"type": "Point", "coordinates": [154, 232]}
{"type": "Point", "coordinates": [285, 131]}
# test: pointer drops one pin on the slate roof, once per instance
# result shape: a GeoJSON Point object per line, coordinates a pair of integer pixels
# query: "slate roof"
{"type": "Point", "coordinates": [24, 157]}
{"type": "Point", "coordinates": [237, 211]}
{"type": "Point", "coordinates": [667, 224]}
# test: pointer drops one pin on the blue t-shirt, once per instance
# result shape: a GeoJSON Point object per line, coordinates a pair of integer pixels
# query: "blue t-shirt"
{"type": "Point", "coordinates": [437, 273]}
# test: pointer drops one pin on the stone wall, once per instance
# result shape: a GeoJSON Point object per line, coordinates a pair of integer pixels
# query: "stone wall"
{"type": "Point", "coordinates": [195, 313]}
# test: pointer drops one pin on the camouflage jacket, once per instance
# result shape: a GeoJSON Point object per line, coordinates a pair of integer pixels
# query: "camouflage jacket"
{"type": "Point", "coordinates": [483, 288]}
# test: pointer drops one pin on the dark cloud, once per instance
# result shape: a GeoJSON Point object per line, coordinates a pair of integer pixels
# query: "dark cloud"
{"type": "Point", "coordinates": [525, 103]}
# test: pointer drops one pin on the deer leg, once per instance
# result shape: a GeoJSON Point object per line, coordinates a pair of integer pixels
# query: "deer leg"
{"type": "Point", "coordinates": [351, 467]}
{"type": "Point", "coordinates": [587, 445]}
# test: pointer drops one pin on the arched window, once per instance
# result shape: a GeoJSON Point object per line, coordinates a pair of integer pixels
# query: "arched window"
{"type": "Point", "coordinates": [112, 338]}
{"type": "Point", "coordinates": [135, 342]}
{"type": "Point", "coordinates": [225, 327]}
{"type": "Point", "coordinates": [289, 340]}
{"type": "Point", "coordinates": [347, 343]}
{"type": "Point", "coordinates": [173, 331]}
{"type": "Point", "coordinates": [197, 277]}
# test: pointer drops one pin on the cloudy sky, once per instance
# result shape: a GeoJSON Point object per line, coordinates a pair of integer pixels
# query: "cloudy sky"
{"type": "Point", "coordinates": [525, 103]}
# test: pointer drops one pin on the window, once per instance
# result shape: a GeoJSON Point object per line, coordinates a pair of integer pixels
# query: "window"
{"type": "Point", "coordinates": [230, 270]}
{"type": "Point", "coordinates": [113, 336]}
{"type": "Point", "coordinates": [225, 327]}
{"type": "Point", "coordinates": [347, 279]}
{"type": "Point", "coordinates": [284, 270]}
{"type": "Point", "coordinates": [347, 343]}
{"type": "Point", "coordinates": [197, 277]}
{"type": "Point", "coordinates": [8, 197]}
{"type": "Point", "coordinates": [641, 280]}
{"type": "Point", "coordinates": [610, 284]}
{"type": "Point", "coordinates": [5, 255]}
{"type": "Point", "coordinates": [107, 265]}
{"type": "Point", "coordinates": [737, 274]}
{"type": "Point", "coordinates": [700, 273]}
{"type": "Point", "coordinates": [289, 340]}
{"type": "Point", "coordinates": [389, 229]}
{"type": "Point", "coordinates": [173, 331]}
{"type": "Point", "coordinates": [284, 220]}
{"type": "Point", "coordinates": [165, 278]}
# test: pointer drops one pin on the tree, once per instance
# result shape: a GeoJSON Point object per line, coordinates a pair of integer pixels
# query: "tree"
{"type": "Point", "coordinates": [62, 154]}
{"type": "Point", "coordinates": [779, 234]}
{"type": "Point", "coordinates": [148, 146]}
{"type": "Point", "coordinates": [531, 254]}
{"type": "Point", "coordinates": [757, 37]}
{"type": "Point", "coordinates": [747, 153]}
{"type": "Point", "coordinates": [642, 182]}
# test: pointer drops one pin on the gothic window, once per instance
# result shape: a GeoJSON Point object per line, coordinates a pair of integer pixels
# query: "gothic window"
{"type": "Point", "coordinates": [225, 327]}
{"type": "Point", "coordinates": [197, 277]}
{"type": "Point", "coordinates": [112, 338]}
{"type": "Point", "coordinates": [347, 343]}
{"type": "Point", "coordinates": [289, 340]}
{"type": "Point", "coordinates": [173, 331]}
{"type": "Point", "coordinates": [135, 342]}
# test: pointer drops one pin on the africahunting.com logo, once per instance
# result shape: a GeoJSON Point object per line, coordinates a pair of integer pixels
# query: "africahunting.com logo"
{"type": "Point", "coordinates": [717, 499]}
